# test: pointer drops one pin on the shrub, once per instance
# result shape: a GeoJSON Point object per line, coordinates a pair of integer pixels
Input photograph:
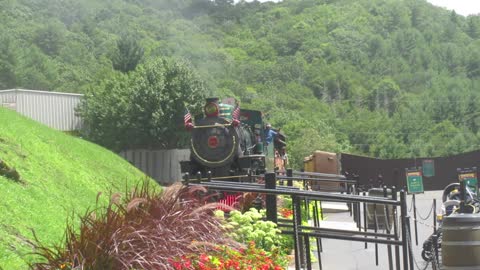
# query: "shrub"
{"type": "Point", "coordinates": [249, 226]}
{"type": "Point", "coordinates": [142, 231]}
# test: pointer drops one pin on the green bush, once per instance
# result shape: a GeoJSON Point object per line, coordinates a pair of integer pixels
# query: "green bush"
{"type": "Point", "coordinates": [249, 226]}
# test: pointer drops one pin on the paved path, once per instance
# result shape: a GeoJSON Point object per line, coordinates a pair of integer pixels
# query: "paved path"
{"type": "Point", "coordinates": [349, 255]}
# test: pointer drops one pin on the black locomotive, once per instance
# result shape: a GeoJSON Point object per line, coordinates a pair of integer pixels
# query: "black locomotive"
{"type": "Point", "coordinates": [226, 141]}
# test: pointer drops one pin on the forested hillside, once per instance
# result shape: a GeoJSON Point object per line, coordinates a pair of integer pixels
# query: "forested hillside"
{"type": "Point", "coordinates": [386, 78]}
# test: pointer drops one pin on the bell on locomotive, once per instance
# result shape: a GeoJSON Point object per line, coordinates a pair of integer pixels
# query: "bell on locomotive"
{"type": "Point", "coordinates": [225, 141]}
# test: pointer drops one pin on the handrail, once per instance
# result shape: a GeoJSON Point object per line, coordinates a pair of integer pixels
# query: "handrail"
{"type": "Point", "coordinates": [212, 126]}
{"type": "Point", "coordinates": [281, 177]}
{"type": "Point", "coordinates": [311, 194]}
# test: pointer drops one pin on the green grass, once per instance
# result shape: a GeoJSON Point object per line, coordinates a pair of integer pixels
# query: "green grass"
{"type": "Point", "coordinates": [60, 175]}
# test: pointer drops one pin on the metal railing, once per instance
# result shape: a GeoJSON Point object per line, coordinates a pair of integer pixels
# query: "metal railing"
{"type": "Point", "coordinates": [396, 236]}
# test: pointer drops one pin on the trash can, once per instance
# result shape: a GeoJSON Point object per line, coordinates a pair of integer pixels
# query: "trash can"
{"type": "Point", "coordinates": [461, 241]}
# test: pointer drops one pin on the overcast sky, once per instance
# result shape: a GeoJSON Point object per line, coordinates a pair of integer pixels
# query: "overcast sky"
{"type": "Point", "coordinates": [464, 7]}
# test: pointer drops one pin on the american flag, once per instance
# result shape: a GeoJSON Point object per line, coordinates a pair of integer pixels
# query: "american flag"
{"type": "Point", "coordinates": [236, 113]}
{"type": "Point", "coordinates": [187, 118]}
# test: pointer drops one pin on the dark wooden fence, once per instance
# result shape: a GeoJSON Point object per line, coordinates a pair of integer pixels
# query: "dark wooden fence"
{"type": "Point", "coordinates": [391, 172]}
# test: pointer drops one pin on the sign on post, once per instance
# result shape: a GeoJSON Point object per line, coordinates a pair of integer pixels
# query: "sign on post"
{"type": "Point", "coordinates": [414, 181]}
{"type": "Point", "coordinates": [428, 168]}
{"type": "Point", "coordinates": [469, 176]}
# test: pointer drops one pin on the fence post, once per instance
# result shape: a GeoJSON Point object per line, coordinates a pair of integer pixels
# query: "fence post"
{"type": "Point", "coordinates": [375, 224]}
{"type": "Point", "coordinates": [271, 201]}
{"type": "Point", "coordinates": [410, 247]}
{"type": "Point", "coordinates": [434, 216]}
{"type": "Point", "coordinates": [463, 195]}
{"type": "Point", "coordinates": [290, 174]}
{"type": "Point", "coordinates": [365, 225]}
{"type": "Point", "coordinates": [297, 221]}
{"type": "Point", "coordinates": [395, 229]}
{"type": "Point", "coordinates": [387, 228]}
{"type": "Point", "coordinates": [414, 202]}
{"type": "Point", "coordinates": [403, 218]}
{"type": "Point", "coordinates": [186, 178]}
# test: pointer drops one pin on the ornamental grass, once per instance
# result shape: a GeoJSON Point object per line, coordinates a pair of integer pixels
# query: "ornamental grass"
{"type": "Point", "coordinates": [143, 230]}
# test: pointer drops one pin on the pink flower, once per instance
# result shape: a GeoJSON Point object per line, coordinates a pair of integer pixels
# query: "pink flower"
{"type": "Point", "coordinates": [204, 258]}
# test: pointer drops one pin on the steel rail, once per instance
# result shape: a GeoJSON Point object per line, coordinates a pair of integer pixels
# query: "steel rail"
{"type": "Point", "coordinates": [309, 194]}
{"type": "Point", "coordinates": [349, 238]}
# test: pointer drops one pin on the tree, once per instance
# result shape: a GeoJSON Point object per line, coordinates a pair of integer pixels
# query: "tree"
{"type": "Point", "coordinates": [143, 108]}
{"type": "Point", "coordinates": [127, 55]}
{"type": "Point", "coordinates": [7, 64]}
{"type": "Point", "coordinates": [50, 38]}
{"type": "Point", "coordinates": [385, 95]}
{"type": "Point", "coordinates": [473, 27]}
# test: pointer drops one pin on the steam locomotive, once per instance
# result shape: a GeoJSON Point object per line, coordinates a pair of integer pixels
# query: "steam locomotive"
{"type": "Point", "coordinates": [228, 141]}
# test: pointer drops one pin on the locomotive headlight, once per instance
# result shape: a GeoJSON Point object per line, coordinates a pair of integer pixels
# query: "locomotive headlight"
{"type": "Point", "coordinates": [211, 109]}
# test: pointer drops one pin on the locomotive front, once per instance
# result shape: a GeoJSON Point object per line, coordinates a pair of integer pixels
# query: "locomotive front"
{"type": "Point", "coordinates": [221, 143]}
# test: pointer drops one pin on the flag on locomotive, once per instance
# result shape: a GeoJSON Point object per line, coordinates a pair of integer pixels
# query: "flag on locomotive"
{"type": "Point", "coordinates": [227, 140]}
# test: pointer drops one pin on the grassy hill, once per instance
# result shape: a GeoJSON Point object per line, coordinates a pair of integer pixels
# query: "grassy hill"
{"type": "Point", "coordinates": [59, 174]}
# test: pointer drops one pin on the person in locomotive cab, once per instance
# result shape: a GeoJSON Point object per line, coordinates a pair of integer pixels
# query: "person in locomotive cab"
{"type": "Point", "coordinates": [269, 134]}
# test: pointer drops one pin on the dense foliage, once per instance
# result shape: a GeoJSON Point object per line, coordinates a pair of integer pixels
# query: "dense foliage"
{"type": "Point", "coordinates": [388, 78]}
{"type": "Point", "coordinates": [142, 108]}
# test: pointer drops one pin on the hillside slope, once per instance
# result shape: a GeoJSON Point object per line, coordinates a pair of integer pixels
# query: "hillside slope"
{"type": "Point", "coordinates": [385, 78]}
{"type": "Point", "coordinates": [59, 174]}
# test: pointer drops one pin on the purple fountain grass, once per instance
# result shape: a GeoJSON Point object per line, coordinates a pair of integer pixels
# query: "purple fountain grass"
{"type": "Point", "coordinates": [141, 231]}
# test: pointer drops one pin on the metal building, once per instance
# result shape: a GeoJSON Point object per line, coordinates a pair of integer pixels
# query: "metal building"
{"type": "Point", "coordinates": [54, 109]}
{"type": "Point", "coordinates": [161, 165]}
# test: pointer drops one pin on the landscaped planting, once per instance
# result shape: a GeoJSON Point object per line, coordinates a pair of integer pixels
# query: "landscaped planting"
{"type": "Point", "coordinates": [249, 226]}
{"type": "Point", "coordinates": [150, 229]}
{"type": "Point", "coordinates": [226, 258]}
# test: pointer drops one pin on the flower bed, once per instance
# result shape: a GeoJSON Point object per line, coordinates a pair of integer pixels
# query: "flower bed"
{"type": "Point", "coordinates": [226, 258]}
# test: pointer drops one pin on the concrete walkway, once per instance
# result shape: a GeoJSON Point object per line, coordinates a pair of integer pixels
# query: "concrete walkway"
{"type": "Point", "coordinates": [349, 255]}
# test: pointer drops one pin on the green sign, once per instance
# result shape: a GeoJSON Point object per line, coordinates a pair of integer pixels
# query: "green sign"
{"type": "Point", "coordinates": [414, 182]}
{"type": "Point", "coordinates": [428, 168]}
{"type": "Point", "coordinates": [470, 179]}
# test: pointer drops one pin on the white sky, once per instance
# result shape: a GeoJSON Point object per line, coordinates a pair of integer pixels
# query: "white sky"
{"type": "Point", "coordinates": [463, 7]}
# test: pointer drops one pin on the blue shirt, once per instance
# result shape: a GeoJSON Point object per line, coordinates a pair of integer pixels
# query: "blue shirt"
{"type": "Point", "coordinates": [270, 135]}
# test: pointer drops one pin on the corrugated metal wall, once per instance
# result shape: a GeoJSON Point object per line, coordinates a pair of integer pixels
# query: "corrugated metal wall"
{"type": "Point", "coordinates": [8, 98]}
{"type": "Point", "coordinates": [161, 165]}
{"type": "Point", "coordinates": [56, 110]}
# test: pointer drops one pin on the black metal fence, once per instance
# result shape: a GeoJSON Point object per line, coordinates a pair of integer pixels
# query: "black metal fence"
{"type": "Point", "coordinates": [390, 228]}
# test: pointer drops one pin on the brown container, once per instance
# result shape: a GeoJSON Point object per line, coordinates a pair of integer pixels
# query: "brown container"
{"type": "Point", "coordinates": [461, 242]}
{"type": "Point", "coordinates": [308, 165]}
{"type": "Point", "coordinates": [325, 162]}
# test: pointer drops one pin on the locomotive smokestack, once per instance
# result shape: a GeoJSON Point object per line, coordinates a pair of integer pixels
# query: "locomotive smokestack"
{"type": "Point", "coordinates": [212, 100]}
{"type": "Point", "coordinates": [211, 108]}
